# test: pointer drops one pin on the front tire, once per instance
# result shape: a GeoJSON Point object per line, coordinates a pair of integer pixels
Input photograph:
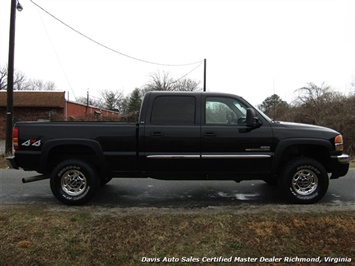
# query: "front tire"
{"type": "Point", "coordinates": [304, 181]}
{"type": "Point", "coordinates": [74, 182]}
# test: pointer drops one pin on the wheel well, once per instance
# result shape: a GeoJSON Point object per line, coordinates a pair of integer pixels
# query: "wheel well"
{"type": "Point", "coordinates": [61, 153]}
{"type": "Point", "coordinates": [315, 152]}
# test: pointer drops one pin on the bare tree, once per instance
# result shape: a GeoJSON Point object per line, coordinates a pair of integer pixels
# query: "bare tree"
{"type": "Point", "coordinates": [19, 79]}
{"type": "Point", "coordinates": [163, 82]}
{"type": "Point", "coordinates": [315, 94]}
{"type": "Point", "coordinates": [186, 85]}
{"type": "Point", "coordinates": [22, 83]}
{"type": "Point", "coordinates": [3, 78]}
{"type": "Point", "coordinates": [159, 82]}
{"type": "Point", "coordinates": [91, 102]}
{"type": "Point", "coordinates": [112, 99]}
{"type": "Point", "coordinates": [316, 100]}
{"type": "Point", "coordinates": [37, 84]}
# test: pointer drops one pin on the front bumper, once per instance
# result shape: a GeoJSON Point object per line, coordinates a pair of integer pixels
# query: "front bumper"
{"type": "Point", "coordinates": [339, 165]}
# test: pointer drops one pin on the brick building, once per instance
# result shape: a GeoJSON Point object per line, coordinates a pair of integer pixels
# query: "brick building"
{"type": "Point", "coordinates": [80, 112]}
{"type": "Point", "coordinates": [49, 105]}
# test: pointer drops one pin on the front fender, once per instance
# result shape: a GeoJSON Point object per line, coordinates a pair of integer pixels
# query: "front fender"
{"type": "Point", "coordinates": [285, 144]}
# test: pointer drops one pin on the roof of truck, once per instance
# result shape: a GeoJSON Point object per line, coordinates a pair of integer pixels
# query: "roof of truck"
{"type": "Point", "coordinates": [194, 92]}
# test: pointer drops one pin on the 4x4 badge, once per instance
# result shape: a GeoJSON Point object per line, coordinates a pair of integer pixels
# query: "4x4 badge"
{"type": "Point", "coordinates": [32, 142]}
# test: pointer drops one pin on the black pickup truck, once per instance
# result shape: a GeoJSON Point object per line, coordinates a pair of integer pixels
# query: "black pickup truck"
{"type": "Point", "coordinates": [184, 136]}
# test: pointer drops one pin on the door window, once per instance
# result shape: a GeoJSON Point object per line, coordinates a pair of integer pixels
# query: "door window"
{"type": "Point", "coordinates": [225, 111]}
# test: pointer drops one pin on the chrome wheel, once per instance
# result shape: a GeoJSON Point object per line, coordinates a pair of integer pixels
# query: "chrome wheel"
{"type": "Point", "coordinates": [74, 182]}
{"type": "Point", "coordinates": [305, 182]}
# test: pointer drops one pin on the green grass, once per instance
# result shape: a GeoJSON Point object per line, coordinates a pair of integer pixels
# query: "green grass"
{"type": "Point", "coordinates": [40, 236]}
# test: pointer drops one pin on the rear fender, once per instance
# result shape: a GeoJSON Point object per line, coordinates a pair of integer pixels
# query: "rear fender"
{"type": "Point", "coordinates": [51, 144]}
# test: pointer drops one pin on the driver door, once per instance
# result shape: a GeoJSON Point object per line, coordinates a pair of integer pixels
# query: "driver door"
{"type": "Point", "coordinates": [228, 145]}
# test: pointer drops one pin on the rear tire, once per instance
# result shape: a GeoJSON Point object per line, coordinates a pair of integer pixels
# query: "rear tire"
{"type": "Point", "coordinates": [304, 181]}
{"type": "Point", "coordinates": [74, 182]}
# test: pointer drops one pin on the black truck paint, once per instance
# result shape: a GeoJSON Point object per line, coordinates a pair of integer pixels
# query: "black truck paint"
{"type": "Point", "coordinates": [182, 135]}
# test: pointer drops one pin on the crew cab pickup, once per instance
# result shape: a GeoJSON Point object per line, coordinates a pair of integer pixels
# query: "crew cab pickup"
{"type": "Point", "coordinates": [182, 136]}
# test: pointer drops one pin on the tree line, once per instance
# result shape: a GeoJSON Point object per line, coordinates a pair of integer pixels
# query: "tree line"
{"type": "Point", "coordinates": [22, 82]}
{"type": "Point", "coordinates": [317, 105]}
{"type": "Point", "coordinates": [114, 100]}
{"type": "Point", "coordinates": [109, 99]}
{"type": "Point", "coordinates": [129, 106]}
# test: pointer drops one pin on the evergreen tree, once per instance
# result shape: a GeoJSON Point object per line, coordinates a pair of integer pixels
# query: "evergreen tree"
{"type": "Point", "coordinates": [135, 101]}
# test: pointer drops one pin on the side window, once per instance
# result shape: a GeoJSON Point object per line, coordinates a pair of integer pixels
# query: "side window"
{"type": "Point", "coordinates": [225, 111]}
{"type": "Point", "coordinates": [174, 110]}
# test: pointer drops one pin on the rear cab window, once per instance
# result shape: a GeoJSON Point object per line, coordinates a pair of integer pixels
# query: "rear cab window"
{"type": "Point", "coordinates": [174, 110]}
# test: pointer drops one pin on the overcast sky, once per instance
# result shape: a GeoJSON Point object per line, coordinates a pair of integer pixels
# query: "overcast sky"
{"type": "Point", "coordinates": [253, 48]}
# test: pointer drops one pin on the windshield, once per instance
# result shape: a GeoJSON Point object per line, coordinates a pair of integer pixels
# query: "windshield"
{"type": "Point", "coordinates": [264, 115]}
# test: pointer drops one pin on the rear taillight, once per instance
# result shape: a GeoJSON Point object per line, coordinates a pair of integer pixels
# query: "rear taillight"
{"type": "Point", "coordinates": [15, 138]}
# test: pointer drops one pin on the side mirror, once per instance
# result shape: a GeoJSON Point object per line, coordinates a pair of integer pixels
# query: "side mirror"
{"type": "Point", "coordinates": [252, 119]}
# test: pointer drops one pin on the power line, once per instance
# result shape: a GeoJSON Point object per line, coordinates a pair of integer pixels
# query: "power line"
{"type": "Point", "coordinates": [188, 72]}
{"type": "Point", "coordinates": [58, 59]}
{"type": "Point", "coordinates": [109, 48]}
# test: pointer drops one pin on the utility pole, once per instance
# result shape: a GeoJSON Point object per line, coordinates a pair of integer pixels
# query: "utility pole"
{"type": "Point", "coordinates": [204, 74]}
{"type": "Point", "coordinates": [10, 79]}
{"type": "Point", "coordinates": [87, 106]}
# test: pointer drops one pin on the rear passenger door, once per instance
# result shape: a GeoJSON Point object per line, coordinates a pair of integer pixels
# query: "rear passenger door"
{"type": "Point", "coordinates": [172, 135]}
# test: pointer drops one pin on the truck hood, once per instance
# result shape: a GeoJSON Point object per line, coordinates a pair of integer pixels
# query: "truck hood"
{"type": "Point", "coordinates": [300, 126]}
